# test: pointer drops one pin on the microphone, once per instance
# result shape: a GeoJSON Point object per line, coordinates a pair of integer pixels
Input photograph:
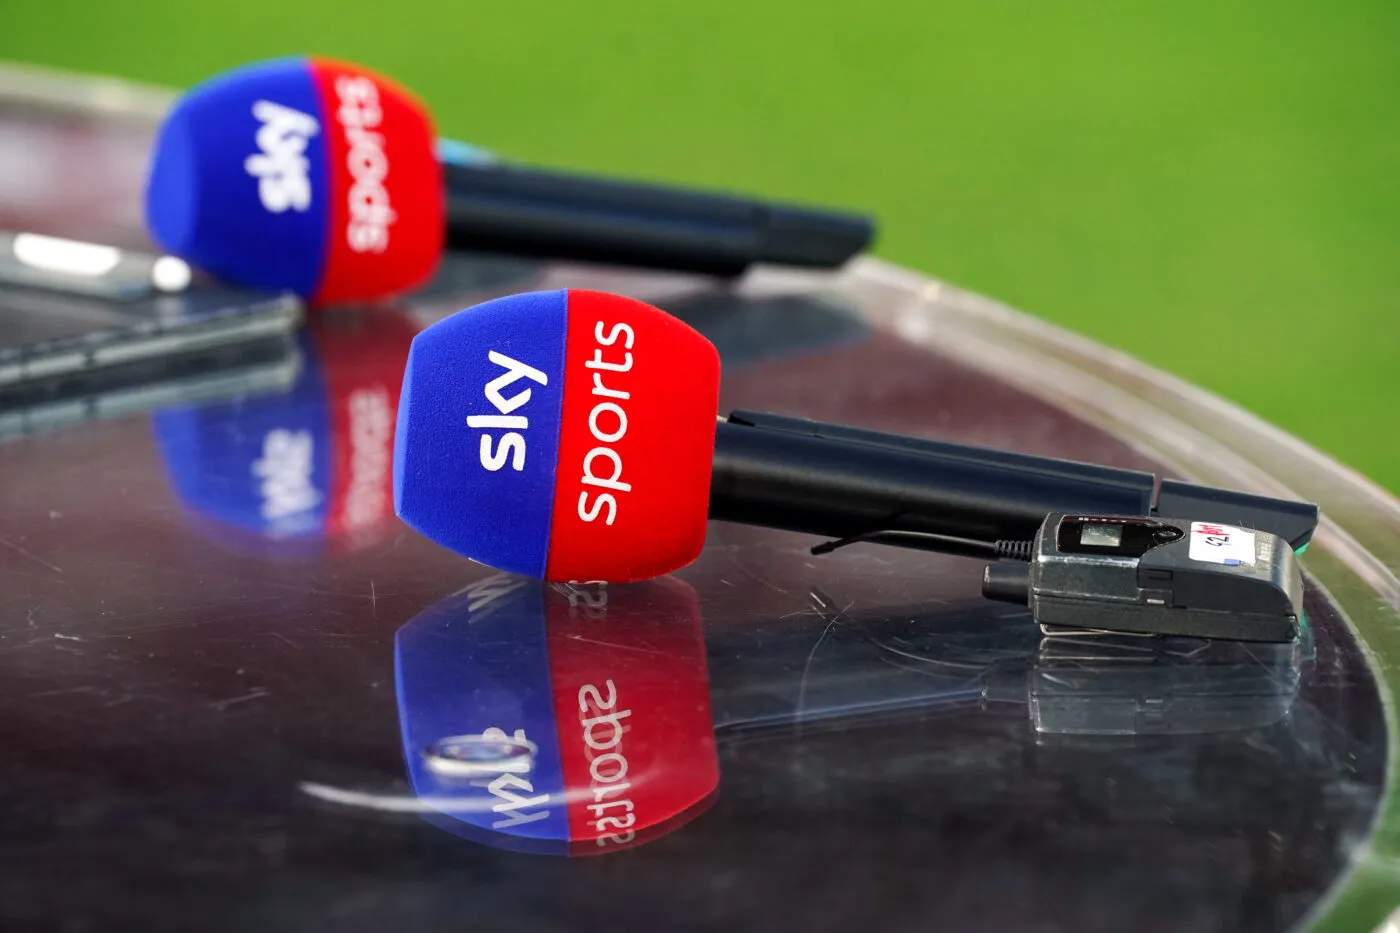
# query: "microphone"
{"type": "Point", "coordinates": [571, 435]}
{"type": "Point", "coordinates": [320, 177]}
{"type": "Point", "coordinates": [558, 719]}
{"type": "Point", "coordinates": [312, 464]}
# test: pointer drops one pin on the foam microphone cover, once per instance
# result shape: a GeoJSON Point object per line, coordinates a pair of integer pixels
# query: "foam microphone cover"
{"type": "Point", "coordinates": [609, 686]}
{"type": "Point", "coordinates": [305, 174]}
{"type": "Point", "coordinates": [310, 464]}
{"type": "Point", "coordinates": [567, 435]}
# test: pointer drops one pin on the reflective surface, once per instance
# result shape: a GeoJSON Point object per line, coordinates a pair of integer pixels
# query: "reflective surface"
{"type": "Point", "coordinates": [605, 688]}
{"type": "Point", "coordinates": [207, 726]}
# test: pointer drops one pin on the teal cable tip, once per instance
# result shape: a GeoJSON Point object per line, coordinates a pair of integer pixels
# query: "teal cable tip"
{"type": "Point", "coordinates": [456, 152]}
{"type": "Point", "coordinates": [1299, 551]}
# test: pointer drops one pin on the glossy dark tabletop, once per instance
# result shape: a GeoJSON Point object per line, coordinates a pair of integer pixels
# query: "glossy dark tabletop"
{"type": "Point", "coordinates": [204, 694]}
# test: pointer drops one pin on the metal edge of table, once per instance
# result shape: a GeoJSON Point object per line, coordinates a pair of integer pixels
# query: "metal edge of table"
{"type": "Point", "coordinates": [1356, 553]}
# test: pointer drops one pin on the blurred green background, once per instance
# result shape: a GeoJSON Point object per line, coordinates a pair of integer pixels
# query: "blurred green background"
{"type": "Point", "coordinates": [1212, 186]}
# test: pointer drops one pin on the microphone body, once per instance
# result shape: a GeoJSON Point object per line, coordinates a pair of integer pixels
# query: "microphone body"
{"type": "Point", "coordinates": [838, 481]}
{"type": "Point", "coordinates": [835, 481]}
{"type": "Point", "coordinates": [493, 207]}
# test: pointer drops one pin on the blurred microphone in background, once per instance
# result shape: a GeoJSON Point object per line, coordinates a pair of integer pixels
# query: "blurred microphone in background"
{"type": "Point", "coordinates": [324, 178]}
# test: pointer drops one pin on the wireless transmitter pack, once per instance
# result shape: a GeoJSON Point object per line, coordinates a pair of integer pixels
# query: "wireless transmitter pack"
{"type": "Point", "coordinates": [1153, 576]}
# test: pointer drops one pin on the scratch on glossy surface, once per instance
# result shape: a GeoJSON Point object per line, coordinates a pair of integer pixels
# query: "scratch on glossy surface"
{"type": "Point", "coordinates": [110, 616]}
{"type": "Point", "coordinates": [66, 691]}
{"type": "Point", "coordinates": [222, 705]}
{"type": "Point", "coordinates": [306, 589]}
{"type": "Point", "coordinates": [806, 668]}
{"type": "Point", "coordinates": [280, 637]}
{"type": "Point", "coordinates": [733, 555]}
{"type": "Point", "coordinates": [46, 578]}
{"type": "Point", "coordinates": [183, 623]}
{"type": "Point", "coordinates": [9, 649]}
{"type": "Point", "coordinates": [613, 644]}
{"type": "Point", "coordinates": [31, 555]}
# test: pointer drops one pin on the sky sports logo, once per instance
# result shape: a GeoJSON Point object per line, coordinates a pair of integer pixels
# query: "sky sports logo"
{"type": "Point", "coordinates": [607, 420]}
{"type": "Point", "coordinates": [283, 169]}
{"type": "Point", "coordinates": [280, 165]}
{"type": "Point", "coordinates": [361, 115]}
{"type": "Point", "coordinates": [510, 447]}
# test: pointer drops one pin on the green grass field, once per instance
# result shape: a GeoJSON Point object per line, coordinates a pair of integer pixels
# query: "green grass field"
{"type": "Point", "coordinates": [1214, 187]}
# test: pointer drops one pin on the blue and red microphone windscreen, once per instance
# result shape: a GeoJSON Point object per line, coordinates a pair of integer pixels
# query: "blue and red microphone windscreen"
{"type": "Point", "coordinates": [312, 463]}
{"type": "Point", "coordinates": [566, 435]}
{"type": "Point", "coordinates": [606, 688]}
{"type": "Point", "coordinates": [304, 174]}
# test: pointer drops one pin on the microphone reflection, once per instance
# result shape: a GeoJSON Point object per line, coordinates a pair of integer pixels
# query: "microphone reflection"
{"type": "Point", "coordinates": [585, 719]}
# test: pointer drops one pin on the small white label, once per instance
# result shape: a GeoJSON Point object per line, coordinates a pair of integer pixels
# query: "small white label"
{"type": "Point", "coordinates": [1221, 544]}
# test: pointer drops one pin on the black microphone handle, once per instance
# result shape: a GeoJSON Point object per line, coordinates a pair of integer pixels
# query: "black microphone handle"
{"type": "Point", "coordinates": [531, 212]}
{"type": "Point", "coordinates": [838, 482]}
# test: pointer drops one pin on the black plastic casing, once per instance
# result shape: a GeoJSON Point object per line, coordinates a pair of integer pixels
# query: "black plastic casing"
{"type": "Point", "coordinates": [531, 212]}
{"type": "Point", "coordinates": [837, 481]}
{"type": "Point", "coordinates": [1291, 520]}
